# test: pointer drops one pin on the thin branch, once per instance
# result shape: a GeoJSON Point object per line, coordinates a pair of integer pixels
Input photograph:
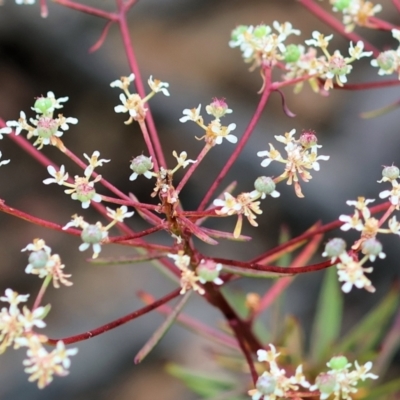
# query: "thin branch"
{"type": "Point", "coordinates": [118, 322]}
{"type": "Point", "coordinates": [242, 142]}
{"type": "Point", "coordinates": [139, 83]}
{"type": "Point", "coordinates": [331, 21]}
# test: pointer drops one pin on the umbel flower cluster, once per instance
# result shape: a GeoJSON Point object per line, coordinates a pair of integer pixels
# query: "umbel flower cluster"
{"type": "Point", "coordinates": [264, 47]}
{"type": "Point", "coordinates": [339, 380]}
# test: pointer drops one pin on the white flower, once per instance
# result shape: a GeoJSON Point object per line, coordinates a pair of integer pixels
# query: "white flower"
{"type": "Point", "coordinates": [224, 133]}
{"type": "Point", "coordinates": [357, 52]}
{"type": "Point", "coordinates": [158, 86]}
{"type": "Point", "coordinates": [124, 82]}
{"type": "Point", "coordinates": [182, 159]}
{"type": "Point", "coordinates": [319, 40]}
{"type": "Point", "coordinates": [119, 214]}
{"type": "Point", "coordinates": [191, 114]}
{"type": "Point", "coordinates": [93, 162]}
{"type": "Point", "coordinates": [59, 176]}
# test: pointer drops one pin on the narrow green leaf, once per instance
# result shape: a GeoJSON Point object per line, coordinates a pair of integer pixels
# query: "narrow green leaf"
{"type": "Point", "coordinates": [365, 335]}
{"type": "Point", "coordinates": [162, 330]}
{"type": "Point", "coordinates": [203, 384]}
{"type": "Point", "coordinates": [293, 339]}
{"type": "Point", "coordinates": [328, 319]}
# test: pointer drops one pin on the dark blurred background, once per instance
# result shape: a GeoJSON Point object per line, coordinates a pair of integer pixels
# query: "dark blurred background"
{"type": "Point", "coordinates": [185, 43]}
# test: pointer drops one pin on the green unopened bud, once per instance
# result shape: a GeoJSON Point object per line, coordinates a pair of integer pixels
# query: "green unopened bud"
{"type": "Point", "coordinates": [264, 184]}
{"type": "Point", "coordinates": [38, 259]}
{"type": "Point", "coordinates": [141, 165]}
{"type": "Point", "coordinates": [334, 248]}
{"type": "Point", "coordinates": [340, 5]}
{"type": "Point", "coordinates": [326, 384]}
{"type": "Point", "coordinates": [266, 384]}
{"type": "Point", "coordinates": [292, 53]}
{"type": "Point", "coordinates": [261, 31]}
{"type": "Point", "coordinates": [208, 271]}
{"type": "Point", "coordinates": [391, 172]}
{"type": "Point", "coordinates": [238, 31]}
{"type": "Point", "coordinates": [387, 60]}
{"type": "Point", "coordinates": [43, 105]}
{"type": "Point", "coordinates": [338, 362]}
{"type": "Point", "coordinates": [372, 247]}
{"type": "Point", "coordinates": [92, 234]}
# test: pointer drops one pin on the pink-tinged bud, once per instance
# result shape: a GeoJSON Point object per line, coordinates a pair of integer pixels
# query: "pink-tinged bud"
{"type": "Point", "coordinates": [335, 247]}
{"type": "Point", "coordinates": [326, 383]}
{"type": "Point", "coordinates": [308, 139]}
{"type": "Point", "coordinates": [218, 108]}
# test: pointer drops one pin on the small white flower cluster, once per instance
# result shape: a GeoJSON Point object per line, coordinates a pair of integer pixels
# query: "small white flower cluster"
{"type": "Point", "coordinates": [350, 268]}
{"type": "Point", "coordinates": [95, 235]}
{"type": "Point", "coordinates": [260, 45]}
{"type": "Point", "coordinates": [16, 328]}
{"type": "Point", "coordinates": [45, 127]}
{"type": "Point", "coordinates": [215, 132]}
{"type": "Point", "coordinates": [301, 156]}
{"type": "Point", "coordinates": [44, 264]}
{"type": "Point", "coordinates": [273, 384]}
{"type": "Point", "coordinates": [264, 48]}
{"type": "Point", "coordinates": [356, 12]}
{"type": "Point", "coordinates": [82, 189]}
{"type": "Point", "coordinates": [340, 380]}
{"type": "Point", "coordinates": [189, 278]}
{"type": "Point", "coordinates": [132, 103]}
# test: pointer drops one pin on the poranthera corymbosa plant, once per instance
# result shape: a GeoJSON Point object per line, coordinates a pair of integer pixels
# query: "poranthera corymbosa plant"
{"type": "Point", "coordinates": [272, 371]}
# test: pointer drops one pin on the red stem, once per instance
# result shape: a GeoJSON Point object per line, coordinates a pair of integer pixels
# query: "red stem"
{"type": "Point", "coordinates": [329, 20]}
{"type": "Point", "coordinates": [307, 235]}
{"type": "Point", "coordinates": [242, 142]}
{"type": "Point", "coordinates": [243, 345]}
{"type": "Point", "coordinates": [273, 268]}
{"type": "Point", "coordinates": [381, 24]}
{"type": "Point", "coordinates": [396, 3]}
{"type": "Point", "coordinates": [192, 168]}
{"type": "Point", "coordinates": [117, 322]}
{"type": "Point", "coordinates": [139, 84]}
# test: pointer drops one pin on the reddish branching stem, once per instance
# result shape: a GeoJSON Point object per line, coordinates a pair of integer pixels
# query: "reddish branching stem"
{"type": "Point", "coordinates": [118, 322]}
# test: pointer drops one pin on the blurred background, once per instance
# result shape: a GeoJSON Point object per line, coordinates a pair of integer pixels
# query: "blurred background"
{"type": "Point", "coordinates": [185, 43]}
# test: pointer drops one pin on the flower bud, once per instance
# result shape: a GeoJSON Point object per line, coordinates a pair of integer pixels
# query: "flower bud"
{"type": "Point", "coordinates": [292, 53]}
{"type": "Point", "coordinates": [208, 271]}
{"type": "Point", "coordinates": [46, 127]}
{"type": "Point", "coordinates": [334, 248]}
{"type": "Point", "coordinates": [141, 165]}
{"type": "Point", "coordinates": [218, 108]}
{"type": "Point", "coordinates": [266, 384]}
{"type": "Point", "coordinates": [326, 384]}
{"type": "Point", "coordinates": [261, 31]}
{"type": "Point", "coordinates": [387, 60]}
{"type": "Point", "coordinates": [340, 5]}
{"type": "Point", "coordinates": [264, 184]}
{"type": "Point", "coordinates": [391, 172]}
{"type": "Point", "coordinates": [238, 31]}
{"type": "Point", "coordinates": [372, 247]}
{"type": "Point", "coordinates": [43, 105]}
{"type": "Point", "coordinates": [338, 362]}
{"type": "Point", "coordinates": [308, 139]}
{"type": "Point", "coordinates": [92, 234]}
{"type": "Point", "coordinates": [38, 259]}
